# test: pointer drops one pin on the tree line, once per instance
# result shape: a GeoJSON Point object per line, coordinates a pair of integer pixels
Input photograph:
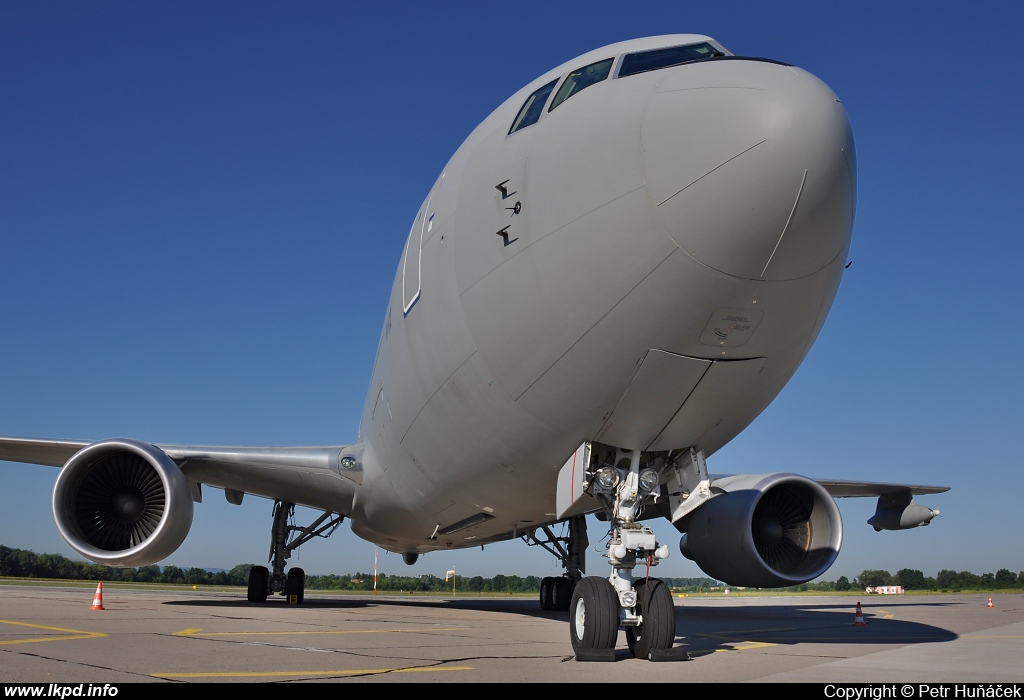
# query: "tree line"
{"type": "Point", "coordinates": [945, 580]}
{"type": "Point", "coordinates": [27, 564]}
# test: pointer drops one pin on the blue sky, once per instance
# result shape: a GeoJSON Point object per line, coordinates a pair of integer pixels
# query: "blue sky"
{"type": "Point", "coordinates": [202, 207]}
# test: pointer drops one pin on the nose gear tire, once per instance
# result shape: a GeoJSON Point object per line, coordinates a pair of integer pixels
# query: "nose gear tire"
{"type": "Point", "coordinates": [593, 615]}
{"type": "Point", "coordinates": [658, 631]}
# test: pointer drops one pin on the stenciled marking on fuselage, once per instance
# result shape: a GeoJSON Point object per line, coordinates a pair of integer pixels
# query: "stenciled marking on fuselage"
{"type": "Point", "coordinates": [504, 235]}
{"type": "Point", "coordinates": [505, 194]}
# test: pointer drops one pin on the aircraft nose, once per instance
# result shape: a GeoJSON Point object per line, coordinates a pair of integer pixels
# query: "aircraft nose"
{"type": "Point", "coordinates": [750, 165]}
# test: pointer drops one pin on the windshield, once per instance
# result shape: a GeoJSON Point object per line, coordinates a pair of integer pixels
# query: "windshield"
{"type": "Point", "coordinates": [663, 58]}
{"type": "Point", "coordinates": [581, 78]}
{"type": "Point", "coordinates": [531, 110]}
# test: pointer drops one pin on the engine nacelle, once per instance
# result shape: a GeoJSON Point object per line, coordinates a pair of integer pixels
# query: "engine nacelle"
{"type": "Point", "coordinates": [765, 531]}
{"type": "Point", "coordinates": [122, 503]}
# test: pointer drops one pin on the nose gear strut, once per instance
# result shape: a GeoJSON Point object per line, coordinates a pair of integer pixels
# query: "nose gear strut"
{"type": "Point", "coordinates": [599, 606]}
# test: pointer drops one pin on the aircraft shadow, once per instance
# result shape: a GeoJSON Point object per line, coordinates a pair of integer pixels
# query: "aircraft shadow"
{"type": "Point", "coordinates": [702, 629]}
{"type": "Point", "coordinates": [517, 606]}
{"type": "Point", "coordinates": [336, 603]}
{"type": "Point", "coordinates": [707, 629]}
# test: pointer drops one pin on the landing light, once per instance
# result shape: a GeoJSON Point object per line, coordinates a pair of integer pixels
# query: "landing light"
{"type": "Point", "coordinates": [648, 480]}
{"type": "Point", "coordinates": [607, 477]}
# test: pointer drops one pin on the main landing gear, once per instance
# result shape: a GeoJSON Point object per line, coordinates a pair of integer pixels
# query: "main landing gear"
{"type": "Point", "coordinates": [263, 582]}
{"type": "Point", "coordinates": [571, 549]}
{"type": "Point", "coordinates": [599, 606]}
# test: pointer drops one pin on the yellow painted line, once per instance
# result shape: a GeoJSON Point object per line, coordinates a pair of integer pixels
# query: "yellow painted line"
{"type": "Point", "coordinates": [885, 615]}
{"type": "Point", "coordinates": [749, 645]}
{"type": "Point", "coordinates": [195, 633]}
{"type": "Point", "coordinates": [736, 632]}
{"type": "Point", "coordinates": [71, 634]}
{"type": "Point", "coordinates": [732, 634]}
{"type": "Point", "coordinates": [188, 632]}
{"type": "Point", "coordinates": [273, 674]}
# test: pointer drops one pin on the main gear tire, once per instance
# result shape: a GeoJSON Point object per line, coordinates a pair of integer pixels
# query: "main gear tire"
{"type": "Point", "coordinates": [295, 585]}
{"type": "Point", "coordinates": [259, 577]}
{"type": "Point", "coordinates": [545, 592]}
{"type": "Point", "coordinates": [561, 593]}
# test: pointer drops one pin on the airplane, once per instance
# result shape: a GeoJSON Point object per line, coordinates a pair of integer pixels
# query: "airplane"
{"type": "Point", "coordinates": [616, 273]}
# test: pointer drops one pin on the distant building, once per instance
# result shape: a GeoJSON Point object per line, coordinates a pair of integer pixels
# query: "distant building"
{"type": "Point", "coordinates": [885, 590]}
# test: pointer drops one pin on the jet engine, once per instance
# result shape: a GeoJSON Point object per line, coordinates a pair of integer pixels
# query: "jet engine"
{"type": "Point", "coordinates": [122, 503]}
{"type": "Point", "coordinates": [764, 531]}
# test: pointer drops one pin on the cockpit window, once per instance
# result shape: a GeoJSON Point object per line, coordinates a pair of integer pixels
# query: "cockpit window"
{"type": "Point", "coordinates": [664, 58]}
{"type": "Point", "coordinates": [532, 108]}
{"type": "Point", "coordinates": [580, 79]}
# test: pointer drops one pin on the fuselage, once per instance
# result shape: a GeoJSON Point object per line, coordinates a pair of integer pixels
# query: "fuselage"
{"type": "Point", "coordinates": [644, 264]}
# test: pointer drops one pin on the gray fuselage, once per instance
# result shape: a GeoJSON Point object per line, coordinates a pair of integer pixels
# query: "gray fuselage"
{"type": "Point", "coordinates": [645, 266]}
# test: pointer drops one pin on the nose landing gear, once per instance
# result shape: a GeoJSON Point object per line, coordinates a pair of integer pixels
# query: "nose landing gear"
{"type": "Point", "coordinates": [644, 607]}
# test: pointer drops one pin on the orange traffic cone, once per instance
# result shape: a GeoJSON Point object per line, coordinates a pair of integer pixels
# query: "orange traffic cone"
{"type": "Point", "coordinates": [858, 620]}
{"type": "Point", "coordinates": [97, 601]}
{"type": "Point", "coordinates": [990, 605]}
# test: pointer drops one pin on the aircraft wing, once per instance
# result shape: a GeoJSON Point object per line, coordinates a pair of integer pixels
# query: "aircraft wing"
{"type": "Point", "coordinates": [838, 488]}
{"type": "Point", "coordinates": [311, 476]}
{"type": "Point", "coordinates": [859, 489]}
{"type": "Point", "coordinates": [52, 453]}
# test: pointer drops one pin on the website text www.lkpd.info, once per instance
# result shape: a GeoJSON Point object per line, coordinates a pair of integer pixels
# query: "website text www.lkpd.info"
{"type": "Point", "coordinates": [61, 690]}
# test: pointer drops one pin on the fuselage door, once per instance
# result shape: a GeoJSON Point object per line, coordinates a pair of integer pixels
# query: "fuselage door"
{"type": "Point", "coordinates": [411, 262]}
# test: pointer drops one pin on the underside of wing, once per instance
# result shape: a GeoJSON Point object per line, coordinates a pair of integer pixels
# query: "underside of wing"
{"type": "Point", "coordinates": [52, 453]}
{"type": "Point", "coordinates": [320, 477]}
{"type": "Point", "coordinates": [128, 503]}
{"type": "Point", "coordinates": [860, 489]}
{"type": "Point", "coordinates": [896, 509]}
